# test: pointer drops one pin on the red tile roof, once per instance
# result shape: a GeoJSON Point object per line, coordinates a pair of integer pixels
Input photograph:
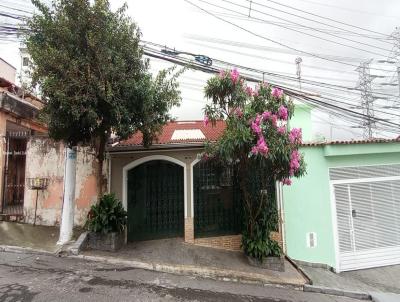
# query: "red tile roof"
{"type": "Point", "coordinates": [211, 133]}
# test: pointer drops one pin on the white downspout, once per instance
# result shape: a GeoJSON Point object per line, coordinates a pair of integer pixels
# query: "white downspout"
{"type": "Point", "coordinates": [67, 219]}
{"type": "Point", "coordinates": [279, 191]}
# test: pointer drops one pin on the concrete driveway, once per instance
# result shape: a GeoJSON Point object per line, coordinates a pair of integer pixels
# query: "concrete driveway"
{"type": "Point", "coordinates": [383, 283]}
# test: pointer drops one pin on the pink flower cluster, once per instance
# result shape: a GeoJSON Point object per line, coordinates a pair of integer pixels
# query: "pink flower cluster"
{"type": "Point", "coordinates": [294, 162]}
{"type": "Point", "coordinates": [206, 120]}
{"type": "Point", "coordinates": [282, 129]}
{"type": "Point", "coordinates": [234, 75]}
{"type": "Point", "coordinates": [221, 74]}
{"type": "Point", "coordinates": [295, 136]}
{"type": "Point", "coordinates": [256, 125]}
{"type": "Point", "coordinates": [256, 91]}
{"type": "Point", "coordinates": [238, 112]}
{"type": "Point", "coordinates": [283, 113]}
{"type": "Point", "coordinates": [277, 93]}
{"type": "Point", "coordinates": [249, 91]}
{"type": "Point", "coordinates": [267, 115]}
{"type": "Point", "coordinates": [287, 181]}
{"type": "Point", "coordinates": [261, 147]}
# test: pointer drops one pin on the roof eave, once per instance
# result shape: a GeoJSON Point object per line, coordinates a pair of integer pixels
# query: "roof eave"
{"type": "Point", "coordinates": [139, 148]}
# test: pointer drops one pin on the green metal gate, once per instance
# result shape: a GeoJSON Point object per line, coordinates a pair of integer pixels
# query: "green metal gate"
{"type": "Point", "coordinates": [217, 209]}
{"type": "Point", "coordinates": [155, 201]}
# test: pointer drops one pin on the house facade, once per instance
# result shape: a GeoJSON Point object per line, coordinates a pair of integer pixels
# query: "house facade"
{"type": "Point", "coordinates": [345, 213]}
{"type": "Point", "coordinates": [26, 154]}
{"type": "Point", "coordinates": [169, 192]}
{"type": "Point", "coordinates": [18, 112]}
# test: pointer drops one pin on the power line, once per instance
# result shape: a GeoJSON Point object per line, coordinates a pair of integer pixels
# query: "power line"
{"type": "Point", "coordinates": [266, 48]}
{"type": "Point", "coordinates": [291, 78]}
{"type": "Point", "coordinates": [273, 41]}
{"type": "Point", "coordinates": [16, 9]}
{"type": "Point", "coordinates": [322, 17]}
{"type": "Point", "coordinates": [289, 92]}
{"type": "Point", "coordinates": [338, 32]}
{"type": "Point", "coordinates": [301, 25]}
{"type": "Point", "coordinates": [349, 9]}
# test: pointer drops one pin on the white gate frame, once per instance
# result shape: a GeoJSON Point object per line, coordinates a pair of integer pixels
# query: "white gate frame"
{"type": "Point", "coordinates": [333, 207]}
{"type": "Point", "coordinates": [142, 160]}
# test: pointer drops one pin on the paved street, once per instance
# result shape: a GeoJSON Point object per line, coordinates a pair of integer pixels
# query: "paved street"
{"type": "Point", "coordinates": [33, 277]}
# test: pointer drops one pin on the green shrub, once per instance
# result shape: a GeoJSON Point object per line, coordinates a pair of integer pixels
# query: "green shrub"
{"type": "Point", "coordinates": [260, 245]}
{"type": "Point", "coordinates": [108, 216]}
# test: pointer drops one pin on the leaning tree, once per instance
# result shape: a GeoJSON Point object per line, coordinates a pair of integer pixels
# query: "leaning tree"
{"type": "Point", "coordinates": [258, 145]}
{"type": "Point", "coordinates": [89, 64]}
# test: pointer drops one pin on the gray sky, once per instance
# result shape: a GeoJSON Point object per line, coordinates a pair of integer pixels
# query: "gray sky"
{"type": "Point", "coordinates": [175, 23]}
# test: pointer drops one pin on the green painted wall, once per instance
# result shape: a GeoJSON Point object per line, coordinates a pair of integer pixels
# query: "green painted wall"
{"type": "Point", "coordinates": [302, 119]}
{"type": "Point", "coordinates": [307, 204]}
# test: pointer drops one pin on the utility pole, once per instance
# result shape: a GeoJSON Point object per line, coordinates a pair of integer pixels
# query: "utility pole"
{"type": "Point", "coordinates": [367, 99]}
{"type": "Point", "coordinates": [396, 53]}
{"type": "Point", "coordinates": [395, 60]}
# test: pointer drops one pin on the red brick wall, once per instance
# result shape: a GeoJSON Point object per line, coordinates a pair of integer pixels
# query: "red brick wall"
{"type": "Point", "coordinates": [231, 242]}
{"type": "Point", "coordinates": [189, 230]}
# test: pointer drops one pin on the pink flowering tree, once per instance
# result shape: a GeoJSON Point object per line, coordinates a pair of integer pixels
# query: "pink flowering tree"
{"type": "Point", "coordinates": [258, 145]}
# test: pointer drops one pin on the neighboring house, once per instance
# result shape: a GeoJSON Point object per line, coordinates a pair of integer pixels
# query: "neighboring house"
{"type": "Point", "coordinates": [345, 212]}
{"type": "Point", "coordinates": [18, 112]}
{"type": "Point", "coordinates": [7, 71]}
{"type": "Point", "coordinates": [26, 153]}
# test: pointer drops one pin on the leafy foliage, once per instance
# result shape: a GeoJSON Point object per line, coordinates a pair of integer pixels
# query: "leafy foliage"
{"type": "Point", "coordinates": [259, 145]}
{"type": "Point", "coordinates": [88, 63]}
{"type": "Point", "coordinates": [108, 216]}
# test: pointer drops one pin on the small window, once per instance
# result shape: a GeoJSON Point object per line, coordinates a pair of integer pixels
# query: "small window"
{"type": "Point", "coordinates": [25, 61]}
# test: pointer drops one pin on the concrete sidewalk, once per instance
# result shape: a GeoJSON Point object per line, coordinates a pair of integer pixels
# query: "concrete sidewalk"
{"type": "Point", "coordinates": [382, 283]}
{"type": "Point", "coordinates": [175, 256]}
{"type": "Point", "coordinates": [40, 238]}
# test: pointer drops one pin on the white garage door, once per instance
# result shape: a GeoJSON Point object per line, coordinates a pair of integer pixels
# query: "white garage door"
{"type": "Point", "coordinates": [367, 203]}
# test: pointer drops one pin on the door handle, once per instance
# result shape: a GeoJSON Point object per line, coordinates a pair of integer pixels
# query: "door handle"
{"type": "Point", "coordinates": [354, 213]}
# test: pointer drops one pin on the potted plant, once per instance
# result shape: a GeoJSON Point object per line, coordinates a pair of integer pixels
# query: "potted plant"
{"type": "Point", "coordinates": [106, 222]}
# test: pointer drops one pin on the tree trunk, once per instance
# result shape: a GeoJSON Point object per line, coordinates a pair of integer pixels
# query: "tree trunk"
{"type": "Point", "coordinates": [100, 149]}
{"type": "Point", "coordinates": [243, 176]}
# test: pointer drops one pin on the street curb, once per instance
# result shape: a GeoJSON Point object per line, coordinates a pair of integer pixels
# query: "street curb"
{"type": "Point", "coordinates": [330, 290]}
{"type": "Point", "coordinates": [336, 292]}
{"type": "Point", "coordinates": [204, 272]}
{"type": "Point", "coordinates": [79, 244]}
{"type": "Point", "coordinates": [20, 250]}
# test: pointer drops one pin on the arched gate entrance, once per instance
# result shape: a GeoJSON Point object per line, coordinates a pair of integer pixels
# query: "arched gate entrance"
{"type": "Point", "coordinates": [155, 201]}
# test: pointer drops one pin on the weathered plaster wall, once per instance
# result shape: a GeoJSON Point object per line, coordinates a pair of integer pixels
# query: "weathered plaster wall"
{"type": "Point", "coordinates": [307, 202]}
{"type": "Point", "coordinates": [45, 158]}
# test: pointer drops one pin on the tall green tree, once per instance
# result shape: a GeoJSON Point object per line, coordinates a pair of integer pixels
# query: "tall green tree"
{"type": "Point", "coordinates": [89, 65]}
